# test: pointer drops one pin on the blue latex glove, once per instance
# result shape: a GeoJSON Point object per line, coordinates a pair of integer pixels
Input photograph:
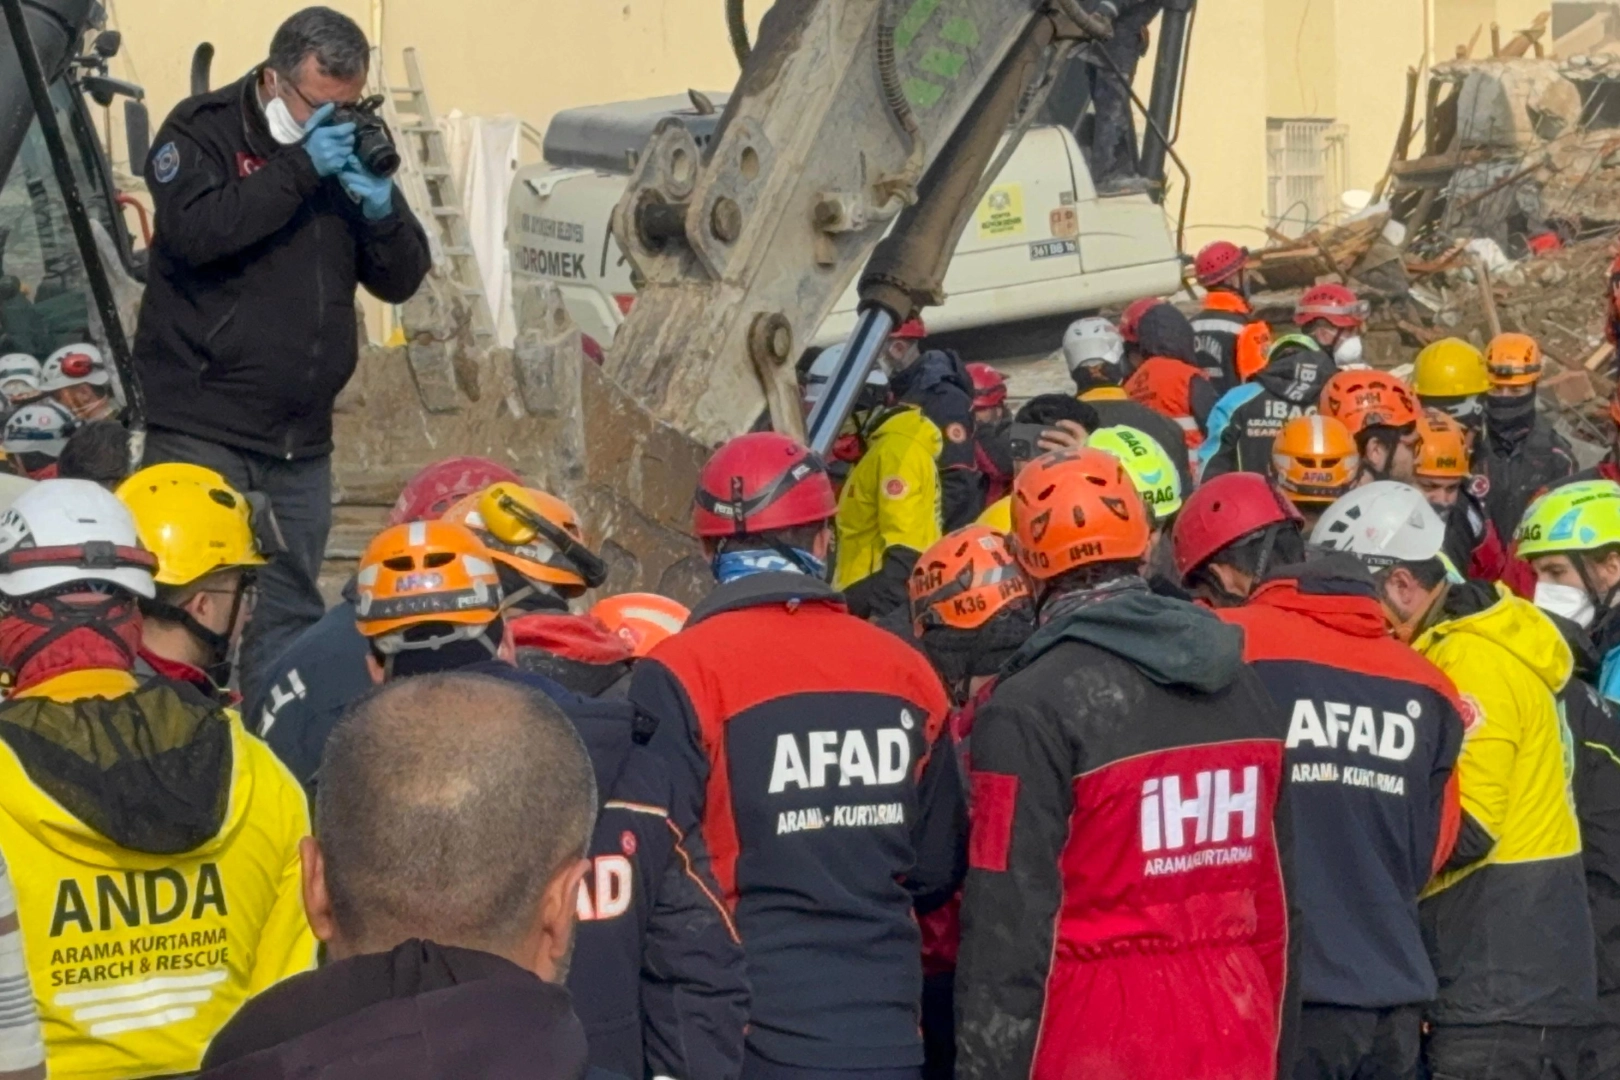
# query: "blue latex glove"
{"type": "Point", "coordinates": [329, 146]}
{"type": "Point", "coordinates": [375, 194]}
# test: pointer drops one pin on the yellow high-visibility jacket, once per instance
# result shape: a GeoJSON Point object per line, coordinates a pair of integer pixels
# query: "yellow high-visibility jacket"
{"type": "Point", "coordinates": [892, 496]}
{"type": "Point", "coordinates": [136, 959]}
{"type": "Point", "coordinates": [998, 515]}
{"type": "Point", "coordinates": [1512, 931]}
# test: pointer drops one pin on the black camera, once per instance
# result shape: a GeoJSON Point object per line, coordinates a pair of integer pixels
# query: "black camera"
{"type": "Point", "coordinates": [372, 143]}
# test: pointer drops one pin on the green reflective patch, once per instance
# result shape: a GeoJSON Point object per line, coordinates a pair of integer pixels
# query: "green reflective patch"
{"type": "Point", "coordinates": [942, 62]}
{"type": "Point", "coordinates": [960, 31]}
{"type": "Point", "coordinates": [922, 93]}
{"type": "Point", "coordinates": [913, 20]}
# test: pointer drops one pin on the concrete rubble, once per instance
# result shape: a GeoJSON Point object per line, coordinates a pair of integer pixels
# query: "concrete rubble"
{"type": "Point", "coordinates": [1500, 212]}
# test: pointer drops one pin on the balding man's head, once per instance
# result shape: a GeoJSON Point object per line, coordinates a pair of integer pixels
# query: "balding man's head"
{"type": "Point", "coordinates": [450, 807]}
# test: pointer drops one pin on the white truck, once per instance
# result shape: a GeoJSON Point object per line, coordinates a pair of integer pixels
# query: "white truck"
{"type": "Point", "coordinates": [1040, 250]}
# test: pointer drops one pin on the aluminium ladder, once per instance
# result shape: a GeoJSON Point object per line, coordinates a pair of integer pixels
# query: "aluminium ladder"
{"type": "Point", "coordinates": [429, 185]}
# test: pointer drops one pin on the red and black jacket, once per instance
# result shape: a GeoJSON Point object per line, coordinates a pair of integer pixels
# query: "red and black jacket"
{"type": "Point", "coordinates": [1373, 736]}
{"type": "Point", "coordinates": [814, 745]}
{"type": "Point", "coordinates": [1126, 913]}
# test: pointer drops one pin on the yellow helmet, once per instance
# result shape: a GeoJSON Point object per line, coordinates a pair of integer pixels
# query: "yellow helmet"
{"type": "Point", "coordinates": [516, 543]}
{"type": "Point", "coordinates": [1448, 368]}
{"type": "Point", "coordinates": [192, 520]}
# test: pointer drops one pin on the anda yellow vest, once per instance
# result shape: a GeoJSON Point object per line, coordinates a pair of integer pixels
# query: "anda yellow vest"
{"type": "Point", "coordinates": [137, 960]}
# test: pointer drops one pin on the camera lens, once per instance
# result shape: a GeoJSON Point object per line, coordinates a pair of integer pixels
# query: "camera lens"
{"type": "Point", "coordinates": [376, 151]}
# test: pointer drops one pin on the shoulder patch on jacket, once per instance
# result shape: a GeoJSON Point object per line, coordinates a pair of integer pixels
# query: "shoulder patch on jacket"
{"type": "Point", "coordinates": [1479, 485]}
{"type": "Point", "coordinates": [1473, 713]}
{"type": "Point", "coordinates": [895, 487]}
{"type": "Point", "coordinates": [995, 804]}
{"type": "Point", "coordinates": [166, 163]}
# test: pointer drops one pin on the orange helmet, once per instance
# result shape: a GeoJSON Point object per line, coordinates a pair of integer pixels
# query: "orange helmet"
{"type": "Point", "coordinates": [1513, 360]}
{"type": "Point", "coordinates": [1075, 507]}
{"type": "Point", "coordinates": [964, 580]}
{"type": "Point", "coordinates": [641, 619]}
{"type": "Point", "coordinates": [534, 558]}
{"type": "Point", "coordinates": [1315, 460]}
{"type": "Point", "coordinates": [1362, 398]}
{"type": "Point", "coordinates": [1253, 348]}
{"type": "Point", "coordinates": [1443, 452]}
{"type": "Point", "coordinates": [425, 572]}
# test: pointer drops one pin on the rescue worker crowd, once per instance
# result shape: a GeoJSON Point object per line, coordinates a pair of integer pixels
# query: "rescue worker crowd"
{"type": "Point", "coordinates": [1247, 713]}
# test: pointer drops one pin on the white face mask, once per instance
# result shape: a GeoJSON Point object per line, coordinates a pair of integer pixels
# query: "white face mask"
{"type": "Point", "coordinates": [283, 128]}
{"type": "Point", "coordinates": [1572, 603]}
{"type": "Point", "coordinates": [1347, 353]}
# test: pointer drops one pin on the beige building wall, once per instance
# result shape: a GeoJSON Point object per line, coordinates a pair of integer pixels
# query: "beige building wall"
{"type": "Point", "coordinates": [1342, 60]}
{"type": "Point", "coordinates": [481, 56]}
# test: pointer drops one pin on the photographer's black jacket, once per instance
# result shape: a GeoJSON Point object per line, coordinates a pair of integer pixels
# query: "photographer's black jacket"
{"type": "Point", "coordinates": [247, 331]}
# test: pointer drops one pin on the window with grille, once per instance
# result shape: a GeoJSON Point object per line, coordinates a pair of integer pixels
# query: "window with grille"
{"type": "Point", "coordinates": [1304, 173]}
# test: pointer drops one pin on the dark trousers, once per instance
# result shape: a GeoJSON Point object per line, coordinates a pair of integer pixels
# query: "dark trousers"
{"type": "Point", "coordinates": [1600, 1058]}
{"type": "Point", "coordinates": [1504, 1052]}
{"type": "Point", "coordinates": [300, 493]}
{"type": "Point", "coordinates": [758, 1068]}
{"type": "Point", "coordinates": [1339, 1042]}
{"type": "Point", "coordinates": [939, 1026]}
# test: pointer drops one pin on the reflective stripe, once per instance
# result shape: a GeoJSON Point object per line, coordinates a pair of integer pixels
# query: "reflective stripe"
{"type": "Point", "coordinates": [1230, 326]}
{"type": "Point", "coordinates": [1187, 423]}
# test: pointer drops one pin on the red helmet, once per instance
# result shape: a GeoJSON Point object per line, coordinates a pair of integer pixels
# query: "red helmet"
{"type": "Point", "coordinates": [1335, 303]}
{"type": "Point", "coordinates": [1219, 261]}
{"type": "Point", "coordinates": [911, 330]}
{"type": "Point", "coordinates": [761, 482]}
{"type": "Point", "coordinates": [1225, 510]}
{"type": "Point", "coordinates": [438, 487]}
{"type": "Point", "coordinates": [989, 388]}
{"type": "Point", "coordinates": [1132, 317]}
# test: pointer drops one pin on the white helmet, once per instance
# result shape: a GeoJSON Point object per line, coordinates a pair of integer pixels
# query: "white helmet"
{"type": "Point", "coordinates": [823, 366]}
{"type": "Point", "coordinates": [1383, 524]}
{"type": "Point", "coordinates": [19, 367]}
{"type": "Point", "coordinates": [41, 427]}
{"type": "Point", "coordinates": [72, 365]}
{"type": "Point", "coordinates": [1090, 340]}
{"type": "Point", "coordinates": [62, 531]}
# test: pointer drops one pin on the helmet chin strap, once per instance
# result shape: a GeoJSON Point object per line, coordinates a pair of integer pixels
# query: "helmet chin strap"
{"type": "Point", "coordinates": [1601, 598]}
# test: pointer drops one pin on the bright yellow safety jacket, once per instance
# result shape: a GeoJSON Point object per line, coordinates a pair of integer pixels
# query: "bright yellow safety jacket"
{"type": "Point", "coordinates": [1512, 932]}
{"type": "Point", "coordinates": [998, 515]}
{"type": "Point", "coordinates": [892, 496]}
{"type": "Point", "coordinates": [137, 960]}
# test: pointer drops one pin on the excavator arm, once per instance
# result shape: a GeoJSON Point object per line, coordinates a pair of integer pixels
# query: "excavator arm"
{"type": "Point", "coordinates": [848, 115]}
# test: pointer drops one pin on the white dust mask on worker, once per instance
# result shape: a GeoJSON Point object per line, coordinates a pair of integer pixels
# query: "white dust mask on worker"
{"type": "Point", "coordinates": [1347, 353]}
{"type": "Point", "coordinates": [1570, 601]}
{"type": "Point", "coordinates": [283, 128]}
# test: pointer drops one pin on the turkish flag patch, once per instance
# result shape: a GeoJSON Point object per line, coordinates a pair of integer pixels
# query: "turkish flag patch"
{"type": "Point", "coordinates": [248, 164]}
{"type": "Point", "coordinates": [995, 803]}
{"type": "Point", "coordinates": [894, 487]}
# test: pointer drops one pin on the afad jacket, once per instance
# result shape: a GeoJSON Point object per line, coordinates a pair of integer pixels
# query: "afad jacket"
{"type": "Point", "coordinates": [1126, 913]}
{"type": "Point", "coordinates": [1373, 734]}
{"type": "Point", "coordinates": [1507, 917]}
{"type": "Point", "coordinates": [812, 747]}
{"type": "Point", "coordinates": [892, 497]}
{"type": "Point", "coordinates": [156, 894]}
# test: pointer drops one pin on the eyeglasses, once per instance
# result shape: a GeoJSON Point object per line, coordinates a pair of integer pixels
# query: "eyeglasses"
{"type": "Point", "coordinates": [286, 80]}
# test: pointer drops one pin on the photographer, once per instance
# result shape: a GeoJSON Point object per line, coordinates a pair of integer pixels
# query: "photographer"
{"type": "Point", "coordinates": [268, 216]}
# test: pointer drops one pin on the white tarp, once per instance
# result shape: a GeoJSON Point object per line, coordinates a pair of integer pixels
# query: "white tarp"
{"type": "Point", "coordinates": [484, 153]}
